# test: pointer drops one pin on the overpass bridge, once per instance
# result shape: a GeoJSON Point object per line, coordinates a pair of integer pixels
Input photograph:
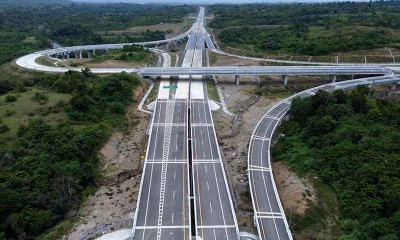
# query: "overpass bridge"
{"type": "Point", "coordinates": [284, 71]}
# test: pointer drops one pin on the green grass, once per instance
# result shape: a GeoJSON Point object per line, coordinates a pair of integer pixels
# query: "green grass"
{"type": "Point", "coordinates": [24, 108]}
{"type": "Point", "coordinates": [59, 230]}
{"type": "Point", "coordinates": [46, 61]}
{"type": "Point", "coordinates": [212, 90]}
{"type": "Point", "coordinates": [153, 93]}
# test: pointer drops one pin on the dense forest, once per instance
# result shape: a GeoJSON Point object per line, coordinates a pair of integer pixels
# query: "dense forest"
{"type": "Point", "coordinates": [52, 168]}
{"type": "Point", "coordinates": [309, 29]}
{"type": "Point", "coordinates": [26, 28]}
{"type": "Point", "coordinates": [349, 140]}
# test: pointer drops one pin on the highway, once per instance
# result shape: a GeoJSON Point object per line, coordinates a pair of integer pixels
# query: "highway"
{"type": "Point", "coordinates": [270, 217]}
{"type": "Point", "coordinates": [184, 190]}
{"type": "Point", "coordinates": [163, 209]}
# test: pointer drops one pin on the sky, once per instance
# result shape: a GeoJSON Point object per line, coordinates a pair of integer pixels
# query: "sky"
{"type": "Point", "coordinates": [208, 1]}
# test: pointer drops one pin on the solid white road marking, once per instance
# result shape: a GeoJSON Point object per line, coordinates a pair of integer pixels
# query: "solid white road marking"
{"type": "Point", "coordinates": [216, 226]}
{"type": "Point", "coordinates": [208, 186]}
{"type": "Point", "coordinates": [162, 227]}
{"type": "Point", "coordinates": [210, 207]}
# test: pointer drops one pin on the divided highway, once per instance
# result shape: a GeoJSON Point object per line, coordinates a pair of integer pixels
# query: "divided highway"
{"type": "Point", "coordinates": [183, 163]}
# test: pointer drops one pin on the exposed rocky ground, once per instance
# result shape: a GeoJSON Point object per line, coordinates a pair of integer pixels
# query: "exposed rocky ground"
{"type": "Point", "coordinates": [234, 135]}
{"type": "Point", "coordinates": [296, 193]}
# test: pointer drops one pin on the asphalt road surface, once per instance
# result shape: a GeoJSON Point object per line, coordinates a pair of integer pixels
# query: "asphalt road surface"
{"type": "Point", "coordinates": [215, 217]}
{"type": "Point", "coordinates": [163, 210]}
{"type": "Point", "coordinates": [270, 218]}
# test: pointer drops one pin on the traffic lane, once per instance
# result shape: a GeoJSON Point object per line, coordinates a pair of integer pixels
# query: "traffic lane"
{"type": "Point", "coordinates": [177, 144]}
{"type": "Point", "coordinates": [149, 203]}
{"type": "Point", "coordinates": [159, 112]}
{"type": "Point", "coordinates": [204, 143]}
{"type": "Point", "coordinates": [212, 199]}
{"type": "Point", "coordinates": [266, 199]}
{"type": "Point", "coordinates": [220, 234]}
{"type": "Point", "coordinates": [155, 150]}
{"type": "Point", "coordinates": [144, 196]}
{"type": "Point", "coordinates": [279, 110]}
{"type": "Point", "coordinates": [176, 210]}
{"type": "Point", "coordinates": [265, 128]}
{"type": "Point", "coordinates": [259, 156]}
{"type": "Point", "coordinates": [180, 112]}
{"type": "Point", "coordinates": [274, 229]}
{"type": "Point", "coordinates": [166, 234]}
{"type": "Point", "coordinates": [200, 112]}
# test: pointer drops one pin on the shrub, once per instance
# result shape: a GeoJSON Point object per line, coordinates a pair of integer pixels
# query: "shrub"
{"type": "Point", "coordinates": [11, 98]}
{"type": "Point", "coordinates": [40, 97]}
{"type": "Point", "coordinates": [4, 128]}
{"type": "Point", "coordinates": [9, 112]}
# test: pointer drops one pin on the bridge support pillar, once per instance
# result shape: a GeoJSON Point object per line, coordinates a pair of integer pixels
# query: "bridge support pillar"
{"type": "Point", "coordinates": [285, 79]}
{"type": "Point", "coordinates": [80, 55]}
{"type": "Point", "coordinates": [332, 78]}
{"type": "Point", "coordinates": [237, 79]}
{"type": "Point", "coordinates": [89, 55]}
{"type": "Point", "coordinates": [67, 55]}
{"type": "Point", "coordinates": [393, 87]}
{"type": "Point", "coordinates": [94, 52]}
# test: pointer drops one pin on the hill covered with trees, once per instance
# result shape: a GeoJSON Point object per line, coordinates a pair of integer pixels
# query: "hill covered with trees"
{"type": "Point", "coordinates": [29, 27]}
{"type": "Point", "coordinates": [350, 142]}
{"type": "Point", "coordinates": [308, 29]}
{"type": "Point", "coordinates": [51, 167]}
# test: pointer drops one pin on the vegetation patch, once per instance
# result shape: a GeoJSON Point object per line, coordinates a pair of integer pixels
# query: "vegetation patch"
{"type": "Point", "coordinates": [129, 53]}
{"type": "Point", "coordinates": [31, 27]}
{"type": "Point", "coordinates": [49, 164]}
{"type": "Point", "coordinates": [308, 29]}
{"type": "Point", "coordinates": [349, 142]}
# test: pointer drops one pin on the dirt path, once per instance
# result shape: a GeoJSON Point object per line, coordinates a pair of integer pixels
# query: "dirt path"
{"type": "Point", "coordinates": [113, 204]}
